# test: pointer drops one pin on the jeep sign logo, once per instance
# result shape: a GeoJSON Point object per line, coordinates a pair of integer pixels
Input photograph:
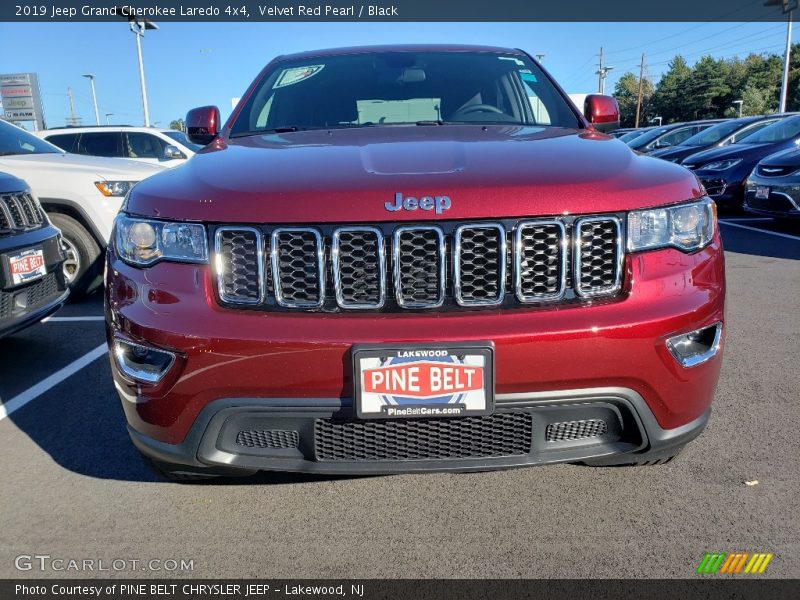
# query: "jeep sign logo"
{"type": "Point", "coordinates": [439, 204]}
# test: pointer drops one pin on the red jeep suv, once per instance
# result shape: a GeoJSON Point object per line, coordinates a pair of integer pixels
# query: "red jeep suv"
{"type": "Point", "coordinates": [413, 258]}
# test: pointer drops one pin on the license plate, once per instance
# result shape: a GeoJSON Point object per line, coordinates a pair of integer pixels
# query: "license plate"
{"type": "Point", "coordinates": [762, 192]}
{"type": "Point", "coordinates": [26, 266]}
{"type": "Point", "coordinates": [423, 380]}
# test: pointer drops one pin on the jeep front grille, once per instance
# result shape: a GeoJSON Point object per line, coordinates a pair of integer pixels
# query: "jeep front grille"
{"type": "Point", "coordinates": [19, 212]}
{"type": "Point", "coordinates": [393, 267]}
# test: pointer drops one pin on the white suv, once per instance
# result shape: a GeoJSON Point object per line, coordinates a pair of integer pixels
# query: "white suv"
{"type": "Point", "coordinates": [165, 147]}
{"type": "Point", "coordinates": [81, 195]}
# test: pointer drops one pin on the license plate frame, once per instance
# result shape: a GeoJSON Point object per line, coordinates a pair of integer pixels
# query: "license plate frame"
{"type": "Point", "coordinates": [762, 192]}
{"type": "Point", "coordinates": [460, 361]}
{"type": "Point", "coordinates": [26, 266]}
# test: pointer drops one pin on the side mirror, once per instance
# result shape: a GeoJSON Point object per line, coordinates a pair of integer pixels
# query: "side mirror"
{"type": "Point", "coordinates": [663, 145]}
{"type": "Point", "coordinates": [602, 112]}
{"type": "Point", "coordinates": [173, 153]}
{"type": "Point", "coordinates": [202, 124]}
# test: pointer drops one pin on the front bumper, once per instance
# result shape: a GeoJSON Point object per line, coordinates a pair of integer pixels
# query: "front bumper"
{"type": "Point", "coordinates": [250, 371]}
{"type": "Point", "coordinates": [783, 199]}
{"type": "Point", "coordinates": [319, 436]}
{"type": "Point", "coordinates": [27, 304]}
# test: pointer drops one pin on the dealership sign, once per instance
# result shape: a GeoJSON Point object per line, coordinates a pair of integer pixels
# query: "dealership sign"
{"type": "Point", "coordinates": [22, 101]}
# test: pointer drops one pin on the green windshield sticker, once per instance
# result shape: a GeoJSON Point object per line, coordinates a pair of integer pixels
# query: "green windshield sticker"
{"type": "Point", "coordinates": [296, 75]}
{"type": "Point", "coordinates": [527, 76]}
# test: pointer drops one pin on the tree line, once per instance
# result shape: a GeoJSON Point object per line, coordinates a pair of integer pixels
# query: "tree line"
{"type": "Point", "coordinates": [709, 88]}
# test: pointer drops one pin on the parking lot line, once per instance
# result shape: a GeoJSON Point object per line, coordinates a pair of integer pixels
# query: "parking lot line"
{"type": "Point", "coordinates": [64, 319]}
{"type": "Point", "coordinates": [53, 380]}
{"type": "Point", "coordinates": [740, 226]}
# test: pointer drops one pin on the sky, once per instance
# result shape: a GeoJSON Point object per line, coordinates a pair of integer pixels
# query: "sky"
{"type": "Point", "coordinates": [195, 64]}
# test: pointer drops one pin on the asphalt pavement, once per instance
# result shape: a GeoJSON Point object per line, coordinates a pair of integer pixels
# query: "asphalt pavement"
{"type": "Point", "coordinates": [73, 488]}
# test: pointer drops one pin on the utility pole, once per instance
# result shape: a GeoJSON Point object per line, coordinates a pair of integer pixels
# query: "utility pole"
{"type": "Point", "coordinates": [138, 26]}
{"type": "Point", "coordinates": [602, 72]}
{"type": "Point", "coordinates": [73, 119]}
{"type": "Point", "coordinates": [641, 91]}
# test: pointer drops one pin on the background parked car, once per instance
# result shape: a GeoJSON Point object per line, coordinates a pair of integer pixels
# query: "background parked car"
{"type": "Point", "coordinates": [724, 170]}
{"type": "Point", "coordinates": [773, 188]}
{"type": "Point", "coordinates": [618, 133]}
{"type": "Point", "coordinates": [32, 282]}
{"type": "Point", "coordinates": [81, 195]}
{"type": "Point", "coordinates": [632, 135]}
{"type": "Point", "coordinates": [669, 135]}
{"type": "Point", "coordinates": [165, 147]}
{"type": "Point", "coordinates": [716, 136]}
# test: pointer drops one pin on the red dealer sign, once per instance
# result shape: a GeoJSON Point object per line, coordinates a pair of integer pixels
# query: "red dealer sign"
{"type": "Point", "coordinates": [423, 379]}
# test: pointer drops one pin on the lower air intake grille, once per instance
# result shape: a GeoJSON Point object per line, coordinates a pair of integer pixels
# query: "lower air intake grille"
{"type": "Point", "coordinates": [575, 430]}
{"type": "Point", "coordinates": [270, 438]}
{"type": "Point", "coordinates": [501, 434]}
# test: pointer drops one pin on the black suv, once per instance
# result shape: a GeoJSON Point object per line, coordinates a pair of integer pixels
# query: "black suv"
{"type": "Point", "coordinates": [32, 282]}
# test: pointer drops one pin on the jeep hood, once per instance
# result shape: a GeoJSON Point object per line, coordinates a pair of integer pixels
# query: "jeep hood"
{"type": "Point", "coordinates": [348, 175]}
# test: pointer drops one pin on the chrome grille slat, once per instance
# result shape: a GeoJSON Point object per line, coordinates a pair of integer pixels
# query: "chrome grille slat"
{"type": "Point", "coordinates": [359, 267]}
{"type": "Point", "coordinates": [540, 261]}
{"type": "Point", "coordinates": [419, 266]}
{"type": "Point", "coordinates": [594, 239]}
{"type": "Point", "coordinates": [20, 211]}
{"type": "Point", "coordinates": [240, 265]}
{"type": "Point", "coordinates": [479, 264]}
{"type": "Point", "coordinates": [298, 267]}
{"type": "Point", "coordinates": [397, 267]}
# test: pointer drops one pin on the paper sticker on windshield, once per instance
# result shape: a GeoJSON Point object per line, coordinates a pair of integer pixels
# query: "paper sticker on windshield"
{"type": "Point", "coordinates": [527, 76]}
{"type": "Point", "coordinates": [296, 74]}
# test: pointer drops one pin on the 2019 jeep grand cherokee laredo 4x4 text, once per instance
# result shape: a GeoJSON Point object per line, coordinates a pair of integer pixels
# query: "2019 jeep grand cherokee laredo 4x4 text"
{"type": "Point", "coordinates": [413, 258]}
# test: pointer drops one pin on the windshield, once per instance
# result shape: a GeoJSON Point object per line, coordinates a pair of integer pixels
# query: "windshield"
{"type": "Point", "coordinates": [648, 137]}
{"type": "Point", "coordinates": [632, 135]}
{"type": "Point", "coordinates": [14, 140]}
{"type": "Point", "coordinates": [783, 130]}
{"type": "Point", "coordinates": [713, 134]}
{"type": "Point", "coordinates": [391, 88]}
{"type": "Point", "coordinates": [181, 138]}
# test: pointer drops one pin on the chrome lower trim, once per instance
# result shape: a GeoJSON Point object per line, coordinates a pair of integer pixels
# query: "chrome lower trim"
{"type": "Point", "coordinates": [697, 359]}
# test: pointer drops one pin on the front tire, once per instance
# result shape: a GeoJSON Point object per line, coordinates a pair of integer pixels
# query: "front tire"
{"type": "Point", "coordinates": [82, 265]}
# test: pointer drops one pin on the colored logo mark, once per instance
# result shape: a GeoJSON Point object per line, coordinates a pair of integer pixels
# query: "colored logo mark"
{"type": "Point", "coordinates": [733, 563]}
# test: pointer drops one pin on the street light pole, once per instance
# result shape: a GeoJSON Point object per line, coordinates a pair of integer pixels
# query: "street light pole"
{"type": "Point", "coordinates": [94, 99]}
{"type": "Point", "coordinates": [108, 118]}
{"type": "Point", "coordinates": [138, 26]}
{"type": "Point", "coordinates": [739, 103]}
{"type": "Point", "coordinates": [786, 59]}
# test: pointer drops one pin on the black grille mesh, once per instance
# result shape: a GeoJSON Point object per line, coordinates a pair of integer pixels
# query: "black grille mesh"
{"type": "Point", "coordinates": [540, 260]}
{"type": "Point", "coordinates": [419, 259]}
{"type": "Point", "coordinates": [479, 263]}
{"type": "Point", "coordinates": [598, 250]}
{"type": "Point", "coordinates": [298, 276]}
{"type": "Point", "coordinates": [575, 430]}
{"type": "Point", "coordinates": [37, 293]}
{"type": "Point", "coordinates": [268, 438]}
{"type": "Point", "coordinates": [775, 203]}
{"type": "Point", "coordinates": [500, 434]}
{"type": "Point", "coordinates": [239, 265]}
{"type": "Point", "coordinates": [359, 276]}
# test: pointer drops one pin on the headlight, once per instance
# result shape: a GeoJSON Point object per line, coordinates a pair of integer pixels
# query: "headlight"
{"type": "Point", "coordinates": [114, 188]}
{"type": "Point", "coordinates": [685, 226]}
{"type": "Point", "coordinates": [143, 242]}
{"type": "Point", "coordinates": [721, 165]}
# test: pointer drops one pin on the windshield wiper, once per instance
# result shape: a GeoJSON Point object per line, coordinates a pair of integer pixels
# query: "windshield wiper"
{"type": "Point", "coordinates": [431, 122]}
